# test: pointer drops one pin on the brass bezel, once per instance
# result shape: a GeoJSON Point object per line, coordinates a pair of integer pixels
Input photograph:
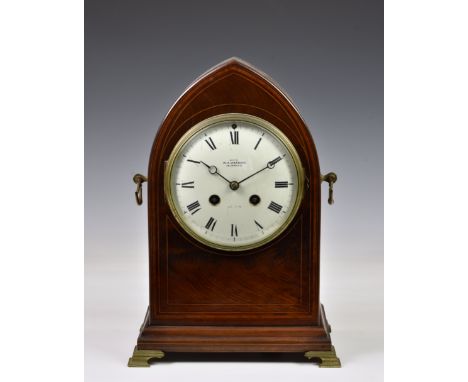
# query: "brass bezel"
{"type": "Point", "coordinates": [206, 124]}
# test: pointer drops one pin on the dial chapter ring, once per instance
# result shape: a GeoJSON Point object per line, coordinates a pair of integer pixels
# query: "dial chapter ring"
{"type": "Point", "coordinates": [205, 124]}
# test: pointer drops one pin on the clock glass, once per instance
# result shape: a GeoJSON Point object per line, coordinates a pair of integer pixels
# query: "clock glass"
{"type": "Point", "coordinates": [234, 182]}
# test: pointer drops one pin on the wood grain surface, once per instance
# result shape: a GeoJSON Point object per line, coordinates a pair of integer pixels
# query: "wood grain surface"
{"type": "Point", "coordinates": [203, 299]}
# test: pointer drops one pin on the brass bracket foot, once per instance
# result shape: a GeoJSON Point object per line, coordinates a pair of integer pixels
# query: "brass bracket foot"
{"type": "Point", "coordinates": [140, 358]}
{"type": "Point", "coordinates": [327, 358]}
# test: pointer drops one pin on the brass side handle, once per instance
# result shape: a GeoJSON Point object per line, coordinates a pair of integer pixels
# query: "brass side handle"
{"type": "Point", "coordinates": [330, 178]}
{"type": "Point", "coordinates": [139, 180]}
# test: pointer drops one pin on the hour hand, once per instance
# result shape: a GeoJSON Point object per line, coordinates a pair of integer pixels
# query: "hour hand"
{"type": "Point", "coordinates": [213, 170]}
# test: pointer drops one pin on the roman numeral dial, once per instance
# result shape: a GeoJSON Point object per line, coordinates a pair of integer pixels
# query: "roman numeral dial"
{"type": "Point", "coordinates": [187, 184]}
{"type": "Point", "coordinates": [281, 184]}
{"type": "Point", "coordinates": [234, 230]}
{"type": "Point", "coordinates": [234, 137]}
{"type": "Point", "coordinates": [211, 223]}
{"type": "Point", "coordinates": [258, 142]}
{"type": "Point", "coordinates": [234, 183]}
{"type": "Point", "coordinates": [210, 143]}
{"type": "Point", "coordinates": [275, 207]}
{"type": "Point", "coordinates": [194, 207]}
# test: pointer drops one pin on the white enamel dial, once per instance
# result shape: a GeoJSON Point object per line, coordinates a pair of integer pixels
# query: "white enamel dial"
{"type": "Point", "coordinates": [234, 182]}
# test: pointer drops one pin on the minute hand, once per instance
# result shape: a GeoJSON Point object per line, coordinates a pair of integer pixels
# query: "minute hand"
{"type": "Point", "coordinates": [270, 164]}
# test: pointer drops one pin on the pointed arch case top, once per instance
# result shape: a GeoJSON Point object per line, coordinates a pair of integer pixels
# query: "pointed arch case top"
{"type": "Point", "coordinates": [235, 86]}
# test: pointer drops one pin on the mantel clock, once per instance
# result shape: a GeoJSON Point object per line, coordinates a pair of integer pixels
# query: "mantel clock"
{"type": "Point", "coordinates": [234, 224]}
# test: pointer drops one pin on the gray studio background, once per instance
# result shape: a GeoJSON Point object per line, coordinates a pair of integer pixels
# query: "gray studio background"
{"type": "Point", "coordinates": [139, 57]}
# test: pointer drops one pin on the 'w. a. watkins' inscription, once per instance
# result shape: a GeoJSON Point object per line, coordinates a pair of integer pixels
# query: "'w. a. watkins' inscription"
{"type": "Point", "coordinates": [234, 163]}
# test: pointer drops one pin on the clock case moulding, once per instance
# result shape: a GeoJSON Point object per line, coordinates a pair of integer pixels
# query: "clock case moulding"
{"type": "Point", "coordinates": [208, 300]}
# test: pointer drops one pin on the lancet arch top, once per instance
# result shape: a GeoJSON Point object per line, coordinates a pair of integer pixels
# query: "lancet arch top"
{"type": "Point", "coordinates": [235, 86]}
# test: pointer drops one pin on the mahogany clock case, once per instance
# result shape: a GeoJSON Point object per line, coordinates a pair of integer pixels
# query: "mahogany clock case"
{"type": "Point", "coordinates": [208, 300]}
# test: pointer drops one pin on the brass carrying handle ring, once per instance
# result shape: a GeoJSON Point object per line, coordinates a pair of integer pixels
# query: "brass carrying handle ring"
{"type": "Point", "coordinates": [330, 178]}
{"type": "Point", "coordinates": [139, 180]}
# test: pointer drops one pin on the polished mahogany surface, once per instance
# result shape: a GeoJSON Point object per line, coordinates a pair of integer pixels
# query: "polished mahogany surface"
{"type": "Point", "coordinates": [265, 299]}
